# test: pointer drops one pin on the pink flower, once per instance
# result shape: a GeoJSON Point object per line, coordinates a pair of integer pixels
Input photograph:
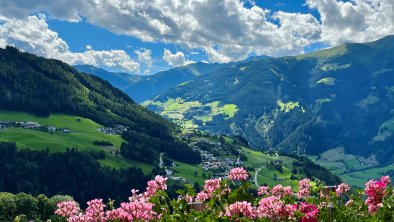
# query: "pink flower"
{"type": "Point", "coordinates": [202, 196]}
{"type": "Point", "coordinates": [95, 210]}
{"type": "Point", "coordinates": [238, 173]}
{"type": "Point", "coordinates": [273, 208]}
{"type": "Point", "coordinates": [159, 183]}
{"type": "Point", "coordinates": [212, 185]}
{"type": "Point", "coordinates": [79, 218]}
{"type": "Point", "coordinates": [263, 191]}
{"type": "Point", "coordinates": [137, 210]}
{"type": "Point", "coordinates": [281, 191]}
{"type": "Point", "coordinates": [304, 188]}
{"type": "Point", "coordinates": [311, 212]}
{"type": "Point", "coordinates": [189, 198]}
{"type": "Point", "coordinates": [385, 179]}
{"type": "Point", "coordinates": [375, 191]}
{"type": "Point", "coordinates": [342, 188]}
{"type": "Point", "coordinates": [67, 209]}
{"type": "Point", "coordinates": [209, 189]}
{"type": "Point", "coordinates": [112, 215]}
{"type": "Point", "coordinates": [240, 209]}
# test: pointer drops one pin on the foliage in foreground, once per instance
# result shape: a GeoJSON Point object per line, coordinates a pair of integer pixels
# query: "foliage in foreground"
{"type": "Point", "coordinates": [232, 199]}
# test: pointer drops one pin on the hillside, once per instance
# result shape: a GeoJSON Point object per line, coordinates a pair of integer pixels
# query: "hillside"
{"type": "Point", "coordinates": [44, 86]}
{"type": "Point", "coordinates": [307, 104]}
{"type": "Point", "coordinates": [141, 88]}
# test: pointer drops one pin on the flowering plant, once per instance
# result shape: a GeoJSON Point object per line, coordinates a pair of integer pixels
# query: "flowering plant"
{"type": "Point", "coordinates": [232, 199]}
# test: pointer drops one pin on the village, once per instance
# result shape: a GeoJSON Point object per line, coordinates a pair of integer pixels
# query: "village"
{"type": "Point", "coordinates": [116, 130]}
{"type": "Point", "coordinates": [219, 164]}
{"type": "Point", "coordinates": [32, 125]}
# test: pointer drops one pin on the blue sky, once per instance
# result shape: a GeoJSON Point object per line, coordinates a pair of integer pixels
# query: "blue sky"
{"type": "Point", "coordinates": [147, 36]}
{"type": "Point", "coordinates": [80, 34]}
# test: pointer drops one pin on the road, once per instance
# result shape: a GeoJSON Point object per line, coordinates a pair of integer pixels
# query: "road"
{"type": "Point", "coordinates": [255, 177]}
{"type": "Point", "coordinates": [161, 160]}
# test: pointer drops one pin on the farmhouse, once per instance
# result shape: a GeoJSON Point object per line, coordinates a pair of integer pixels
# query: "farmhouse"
{"type": "Point", "coordinates": [32, 125]}
{"type": "Point", "coordinates": [51, 129]}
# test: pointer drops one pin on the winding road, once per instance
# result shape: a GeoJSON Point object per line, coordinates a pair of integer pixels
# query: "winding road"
{"type": "Point", "coordinates": [255, 176]}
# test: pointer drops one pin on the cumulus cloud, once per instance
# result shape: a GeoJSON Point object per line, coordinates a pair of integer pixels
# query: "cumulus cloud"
{"type": "Point", "coordinates": [144, 59]}
{"type": "Point", "coordinates": [354, 21]}
{"type": "Point", "coordinates": [177, 59]}
{"type": "Point", "coordinates": [32, 34]}
{"type": "Point", "coordinates": [144, 56]}
{"type": "Point", "coordinates": [226, 30]}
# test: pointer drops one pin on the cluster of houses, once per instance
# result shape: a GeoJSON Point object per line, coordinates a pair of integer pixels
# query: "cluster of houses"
{"type": "Point", "coordinates": [116, 130]}
{"type": "Point", "coordinates": [32, 125]}
{"type": "Point", "coordinates": [220, 165]}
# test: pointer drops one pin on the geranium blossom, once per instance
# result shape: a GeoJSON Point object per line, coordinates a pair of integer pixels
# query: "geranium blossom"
{"type": "Point", "coordinates": [159, 183]}
{"type": "Point", "coordinates": [137, 211]}
{"type": "Point", "coordinates": [95, 209]}
{"type": "Point", "coordinates": [67, 209]}
{"type": "Point", "coordinates": [238, 173]}
{"type": "Point", "coordinates": [281, 191]}
{"type": "Point", "coordinates": [311, 212]}
{"type": "Point", "coordinates": [342, 188]}
{"type": "Point", "coordinates": [304, 188]}
{"type": "Point", "coordinates": [240, 209]}
{"type": "Point", "coordinates": [274, 209]}
{"type": "Point", "coordinates": [263, 191]}
{"type": "Point", "coordinates": [212, 185]}
{"type": "Point", "coordinates": [375, 191]}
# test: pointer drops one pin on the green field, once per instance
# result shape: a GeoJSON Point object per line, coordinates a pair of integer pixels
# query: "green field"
{"type": "Point", "coordinates": [187, 171]}
{"type": "Point", "coordinates": [359, 178]}
{"type": "Point", "coordinates": [82, 135]}
{"type": "Point", "coordinates": [258, 160]}
{"type": "Point", "coordinates": [354, 170]}
{"type": "Point", "coordinates": [176, 109]}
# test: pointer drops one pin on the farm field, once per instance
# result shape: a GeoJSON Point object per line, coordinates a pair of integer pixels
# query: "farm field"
{"type": "Point", "coordinates": [354, 170]}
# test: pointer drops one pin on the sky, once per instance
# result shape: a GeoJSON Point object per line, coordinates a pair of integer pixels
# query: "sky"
{"type": "Point", "coordinates": [147, 36]}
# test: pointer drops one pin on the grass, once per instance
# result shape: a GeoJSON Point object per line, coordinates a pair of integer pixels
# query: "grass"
{"type": "Point", "coordinates": [119, 162]}
{"type": "Point", "coordinates": [287, 107]}
{"type": "Point", "coordinates": [83, 133]}
{"type": "Point", "coordinates": [229, 110]}
{"type": "Point", "coordinates": [177, 108]}
{"type": "Point", "coordinates": [257, 159]}
{"type": "Point", "coordinates": [187, 171]}
{"type": "Point", "coordinates": [354, 170]}
{"type": "Point", "coordinates": [360, 177]}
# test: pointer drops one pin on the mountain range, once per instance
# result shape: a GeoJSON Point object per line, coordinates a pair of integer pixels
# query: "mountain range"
{"type": "Point", "coordinates": [306, 104]}
{"type": "Point", "coordinates": [141, 88]}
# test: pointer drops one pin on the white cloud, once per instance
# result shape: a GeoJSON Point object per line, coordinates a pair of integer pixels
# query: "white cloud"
{"type": "Point", "coordinates": [354, 21]}
{"type": "Point", "coordinates": [144, 56]}
{"type": "Point", "coordinates": [225, 29]}
{"type": "Point", "coordinates": [177, 59]}
{"type": "Point", "coordinates": [33, 35]}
